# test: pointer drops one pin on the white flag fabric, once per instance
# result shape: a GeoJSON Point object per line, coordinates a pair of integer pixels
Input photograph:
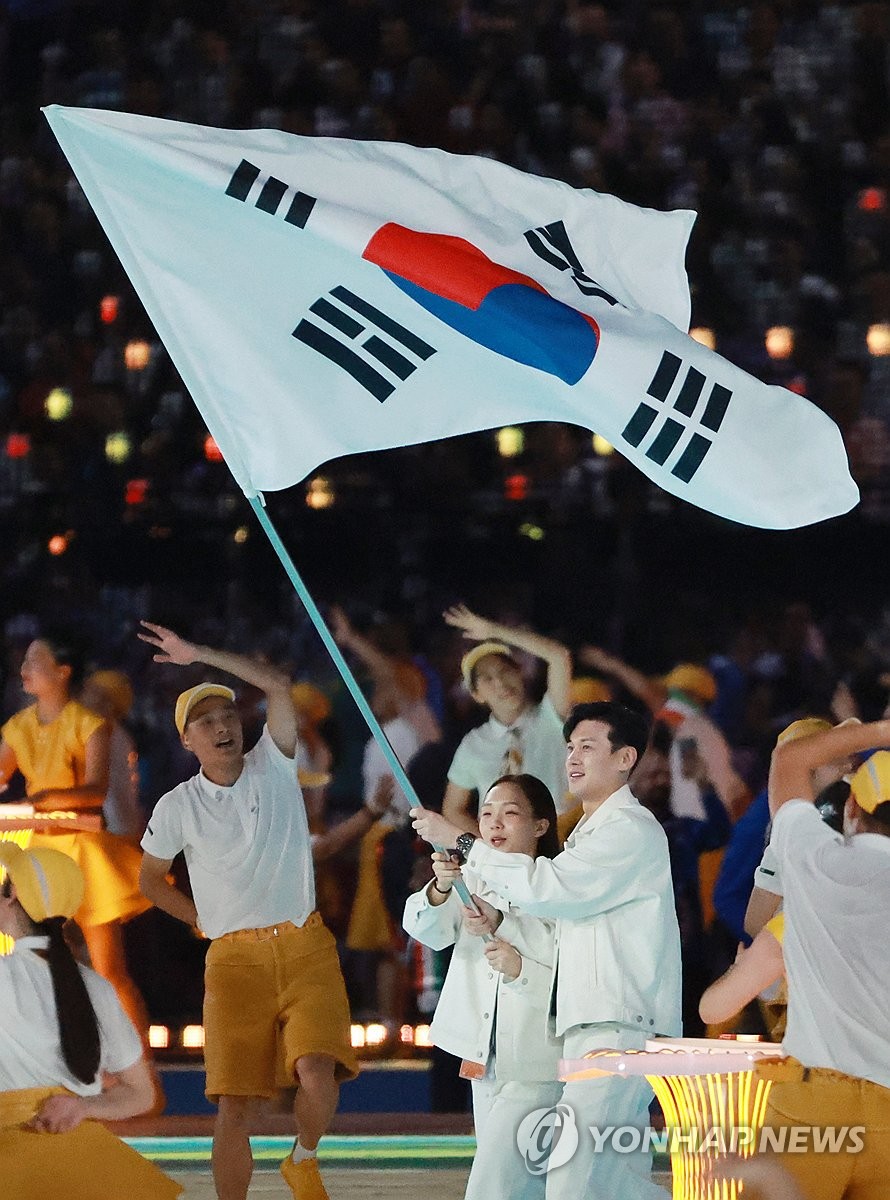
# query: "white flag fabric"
{"type": "Point", "coordinates": [322, 297]}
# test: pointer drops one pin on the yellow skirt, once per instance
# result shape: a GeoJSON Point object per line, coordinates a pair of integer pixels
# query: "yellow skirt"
{"type": "Point", "coordinates": [110, 868]}
{"type": "Point", "coordinates": [89, 1163]}
{"type": "Point", "coordinates": [370, 927]}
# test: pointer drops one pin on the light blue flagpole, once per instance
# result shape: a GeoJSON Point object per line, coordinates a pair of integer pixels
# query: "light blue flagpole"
{"type": "Point", "coordinates": [258, 506]}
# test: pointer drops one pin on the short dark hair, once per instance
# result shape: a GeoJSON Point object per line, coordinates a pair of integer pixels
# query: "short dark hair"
{"type": "Point", "coordinates": [626, 726]}
{"type": "Point", "coordinates": [68, 651]}
{"type": "Point", "coordinates": [537, 793]}
{"type": "Point", "coordinates": [830, 804]}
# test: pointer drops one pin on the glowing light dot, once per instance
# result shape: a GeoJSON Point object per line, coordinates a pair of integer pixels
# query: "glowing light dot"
{"type": "Point", "coordinates": [118, 447]}
{"type": "Point", "coordinates": [320, 493]}
{"type": "Point", "coordinates": [137, 355]}
{"type": "Point", "coordinates": [59, 404]}
{"type": "Point", "coordinates": [108, 309]}
{"type": "Point", "coordinates": [510, 441]}
{"type": "Point", "coordinates": [704, 336]}
{"type": "Point", "coordinates": [779, 341]}
{"type": "Point", "coordinates": [878, 340]}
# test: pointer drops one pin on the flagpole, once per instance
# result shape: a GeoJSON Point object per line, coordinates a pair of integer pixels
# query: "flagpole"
{"type": "Point", "coordinates": [257, 503]}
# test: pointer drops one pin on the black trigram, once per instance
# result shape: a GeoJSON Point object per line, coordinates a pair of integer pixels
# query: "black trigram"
{"type": "Point", "coordinates": [552, 243]}
{"type": "Point", "coordinates": [336, 337]}
{"type": "Point", "coordinates": [685, 404]}
{"type": "Point", "coordinates": [270, 194]}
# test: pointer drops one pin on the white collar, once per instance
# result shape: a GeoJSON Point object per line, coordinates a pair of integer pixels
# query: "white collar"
{"type": "Point", "coordinates": [623, 798]}
{"type": "Point", "coordinates": [33, 941]}
{"type": "Point", "coordinates": [212, 789]}
{"type": "Point", "coordinates": [521, 721]}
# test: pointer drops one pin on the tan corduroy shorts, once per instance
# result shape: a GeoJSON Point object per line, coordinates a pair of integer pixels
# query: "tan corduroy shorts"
{"type": "Point", "coordinates": [271, 996]}
{"type": "Point", "coordinates": [852, 1113]}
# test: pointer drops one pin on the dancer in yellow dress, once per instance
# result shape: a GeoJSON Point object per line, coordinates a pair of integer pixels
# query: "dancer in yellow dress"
{"type": "Point", "coordinates": [62, 750]}
{"type": "Point", "coordinates": [62, 1032]}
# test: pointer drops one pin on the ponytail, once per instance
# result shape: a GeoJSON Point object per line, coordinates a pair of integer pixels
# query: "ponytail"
{"type": "Point", "coordinates": [78, 1026]}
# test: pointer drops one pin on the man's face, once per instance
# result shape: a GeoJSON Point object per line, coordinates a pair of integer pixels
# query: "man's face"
{"type": "Point", "coordinates": [591, 763]}
{"type": "Point", "coordinates": [213, 733]}
{"type": "Point", "coordinates": [499, 686]}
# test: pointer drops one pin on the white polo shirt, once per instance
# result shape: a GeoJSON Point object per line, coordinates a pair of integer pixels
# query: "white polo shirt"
{"type": "Point", "coordinates": [478, 760]}
{"type": "Point", "coordinates": [837, 896]}
{"type": "Point", "coordinates": [30, 1048]}
{"type": "Point", "coordinates": [768, 876]}
{"type": "Point", "coordinates": [246, 847]}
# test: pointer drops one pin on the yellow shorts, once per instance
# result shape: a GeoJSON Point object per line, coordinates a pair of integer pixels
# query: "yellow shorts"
{"type": "Point", "coordinates": [81, 1165]}
{"type": "Point", "coordinates": [272, 996]}
{"type": "Point", "coordinates": [803, 1098]}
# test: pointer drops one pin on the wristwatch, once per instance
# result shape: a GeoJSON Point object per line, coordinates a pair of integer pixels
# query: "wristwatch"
{"type": "Point", "coordinates": [463, 845]}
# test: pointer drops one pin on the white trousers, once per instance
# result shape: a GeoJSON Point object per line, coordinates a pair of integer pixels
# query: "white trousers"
{"type": "Point", "coordinates": [597, 1171]}
{"type": "Point", "coordinates": [499, 1106]}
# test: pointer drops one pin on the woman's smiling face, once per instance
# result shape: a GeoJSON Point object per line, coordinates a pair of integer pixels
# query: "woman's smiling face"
{"type": "Point", "coordinates": [507, 822]}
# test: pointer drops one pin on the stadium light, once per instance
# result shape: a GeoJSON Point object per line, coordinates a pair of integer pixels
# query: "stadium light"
{"type": "Point", "coordinates": [59, 404]}
{"type": "Point", "coordinates": [510, 441]}
{"type": "Point", "coordinates": [779, 341]}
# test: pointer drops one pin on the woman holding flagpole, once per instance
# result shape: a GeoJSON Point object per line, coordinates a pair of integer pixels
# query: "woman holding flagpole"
{"type": "Point", "coordinates": [493, 1011]}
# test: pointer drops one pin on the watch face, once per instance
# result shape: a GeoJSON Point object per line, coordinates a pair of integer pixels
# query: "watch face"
{"type": "Point", "coordinates": [465, 844]}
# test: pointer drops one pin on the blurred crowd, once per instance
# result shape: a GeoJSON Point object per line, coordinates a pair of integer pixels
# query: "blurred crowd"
{"type": "Point", "coordinates": [769, 119]}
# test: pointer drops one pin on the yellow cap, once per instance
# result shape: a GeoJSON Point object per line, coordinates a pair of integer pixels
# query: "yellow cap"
{"type": "Point", "coordinates": [585, 689]}
{"type": "Point", "coordinates": [187, 701]}
{"type": "Point", "coordinates": [473, 656]}
{"type": "Point", "coordinates": [805, 727]}
{"type": "Point", "coordinates": [694, 680]}
{"type": "Point", "coordinates": [117, 688]}
{"type": "Point", "coordinates": [47, 882]}
{"type": "Point", "coordinates": [870, 784]}
{"type": "Point", "coordinates": [310, 702]}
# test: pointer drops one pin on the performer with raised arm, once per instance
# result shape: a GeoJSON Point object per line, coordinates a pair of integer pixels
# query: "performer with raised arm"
{"type": "Point", "coordinates": [519, 736]}
{"type": "Point", "coordinates": [836, 897]}
{"type": "Point", "coordinates": [275, 1006]}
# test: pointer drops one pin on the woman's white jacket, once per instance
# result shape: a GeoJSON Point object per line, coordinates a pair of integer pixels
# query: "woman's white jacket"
{"type": "Point", "coordinates": [474, 994]}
